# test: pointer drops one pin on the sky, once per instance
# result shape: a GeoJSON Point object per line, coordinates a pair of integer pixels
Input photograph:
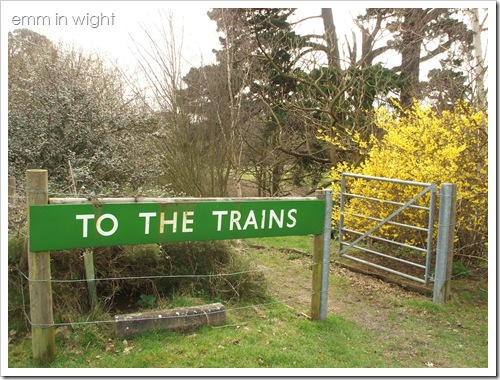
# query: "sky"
{"type": "Point", "coordinates": [110, 27]}
{"type": "Point", "coordinates": [115, 29]}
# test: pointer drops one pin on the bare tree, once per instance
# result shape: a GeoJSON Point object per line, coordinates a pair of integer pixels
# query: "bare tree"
{"type": "Point", "coordinates": [236, 59]}
{"type": "Point", "coordinates": [193, 143]}
{"type": "Point", "coordinates": [480, 66]}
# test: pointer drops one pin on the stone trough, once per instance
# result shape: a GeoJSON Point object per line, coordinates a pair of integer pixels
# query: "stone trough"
{"type": "Point", "coordinates": [179, 319]}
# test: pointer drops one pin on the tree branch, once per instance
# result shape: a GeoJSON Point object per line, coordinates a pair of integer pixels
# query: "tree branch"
{"type": "Point", "coordinates": [303, 155]}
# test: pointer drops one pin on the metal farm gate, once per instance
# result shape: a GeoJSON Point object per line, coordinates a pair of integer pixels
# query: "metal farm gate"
{"type": "Point", "coordinates": [357, 237]}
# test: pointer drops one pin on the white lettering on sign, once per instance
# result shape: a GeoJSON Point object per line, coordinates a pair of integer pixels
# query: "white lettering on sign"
{"type": "Point", "coordinates": [234, 219]}
{"type": "Point", "coordinates": [219, 218]}
{"type": "Point", "coordinates": [148, 216]}
{"type": "Point", "coordinates": [112, 230]}
{"type": "Point", "coordinates": [293, 220]}
{"type": "Point", "coordinates": [251, 220]}
{"type": "Point", "coordinates": [272, 219]}
{"type": "Point", "coordinates": [226, 220]}
{"type": "Point", "coordinates": [87, 217]}
{"type": "Point", "coordinates": [173, 222]}
{"type": "Point", "coordinates": [186, 220]}
{"type": "Point", "coordinates": [273, 216]}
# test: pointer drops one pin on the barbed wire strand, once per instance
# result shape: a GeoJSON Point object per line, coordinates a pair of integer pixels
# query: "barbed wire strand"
{"type": "Point", "coordinates": [115, 320]}
{"type": "Point", "coordinates": [105, 321]}
{"type": "Point", "coordinates": [160, 276]}
{"type": "Point", "coordinates": [60, 324]}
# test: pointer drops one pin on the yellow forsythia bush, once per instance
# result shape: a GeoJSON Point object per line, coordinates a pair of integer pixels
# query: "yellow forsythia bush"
{"type": "Point", "coordinates": [424, 146]}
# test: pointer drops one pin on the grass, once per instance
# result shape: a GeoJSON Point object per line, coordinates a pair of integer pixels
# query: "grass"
{"type": "Point", "coordinates": [370, 324]}
{"type": "Point", "coordinates": [280, 340]}
{"type": "Point", "coordinates": [303, 243]}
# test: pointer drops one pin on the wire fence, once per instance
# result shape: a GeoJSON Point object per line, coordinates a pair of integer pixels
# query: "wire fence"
{"type": "Point", "coordinates": [18, 222]}
{"type": "Point", "coordinates": [275, 301]}
{"type": "Point", "coordinates": [285, 302]}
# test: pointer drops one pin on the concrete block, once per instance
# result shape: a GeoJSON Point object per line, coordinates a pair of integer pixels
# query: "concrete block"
{"type": "Point", "coordinates": [179, 319]}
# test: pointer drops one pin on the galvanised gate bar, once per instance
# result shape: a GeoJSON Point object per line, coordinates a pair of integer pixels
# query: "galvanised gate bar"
{"type": "Point", "coordinates": [344, 247]}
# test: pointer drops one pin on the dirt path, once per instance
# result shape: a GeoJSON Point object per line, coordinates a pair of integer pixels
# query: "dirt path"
{"type": "Point", "coordinates": [406, 326]}
{"type": "Point", "coordinates": [351, 295]}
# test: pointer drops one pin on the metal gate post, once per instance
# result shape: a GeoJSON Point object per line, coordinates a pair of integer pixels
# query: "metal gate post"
{"type": "Point", "coordinates": [445, 240]}
{"type": "Point", "coordinates": [321, 261]}
{"type": "Point", "coordinates": [325, 251]}
{"type": "Point", "coordinates": [327, 236]}
{"type": "Point", "coordinates": [341, 216]}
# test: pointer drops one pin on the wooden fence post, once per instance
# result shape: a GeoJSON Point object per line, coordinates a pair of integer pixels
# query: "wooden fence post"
{"type": "Point", "coordinates": [12, 187]}
{"type": "Point", "coordinates": [88, 260]}
{"type": "Point", "coordinates": [40, 287]}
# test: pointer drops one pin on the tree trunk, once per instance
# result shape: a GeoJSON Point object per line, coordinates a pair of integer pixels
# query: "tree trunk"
{"type": "Point", "coordinates": [478, 57]}
{"type": "Point", "coordinates": [410, 55]}
{"type": "Point", "coordinates": [331, 37]}
{"type": "Point", "coordinates": [333, 61]}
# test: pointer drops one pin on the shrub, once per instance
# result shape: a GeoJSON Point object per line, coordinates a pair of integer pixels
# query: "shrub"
{"type": "Point", "coordinates": [425, 146]}
{"type": "Point", "coordinates": [222, 273]}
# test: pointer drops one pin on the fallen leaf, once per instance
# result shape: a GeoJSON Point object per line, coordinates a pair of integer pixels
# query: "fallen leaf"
{"type": "Point", "coordinates": [110, 346]}
{"type": "Point", "coordinates": [429, 364]}
{"type": "Point", "coordinates": [11, 334]}
{"type": "Point", "coordinates": [64, 331]}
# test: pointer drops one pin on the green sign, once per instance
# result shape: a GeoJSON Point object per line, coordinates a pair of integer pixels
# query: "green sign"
{"type": "Point", "coordinates": [54, 227]}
